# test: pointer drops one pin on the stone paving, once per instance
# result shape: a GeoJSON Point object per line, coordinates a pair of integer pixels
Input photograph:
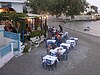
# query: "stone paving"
{"type": "Point", "coordinates": [82, 60]}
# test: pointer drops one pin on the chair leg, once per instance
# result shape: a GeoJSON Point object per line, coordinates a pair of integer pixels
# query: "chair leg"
{"type": "Point", "coordinates": [49, 67]}
{"type": "Point", "coordinates": [52, 67]}
{"type": "Point", "coordinates": [55, 64]}
{"type": "Point", "coordinates": [66, 56]}
{"type": "Point", "coordinates": [43, 65]}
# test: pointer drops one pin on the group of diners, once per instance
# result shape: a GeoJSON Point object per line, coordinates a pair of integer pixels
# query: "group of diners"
{"type": "Point", "coordinates": [58, 48]}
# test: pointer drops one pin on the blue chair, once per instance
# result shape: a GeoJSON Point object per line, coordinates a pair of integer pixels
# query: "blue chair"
{"type": "Point", "coordinates": [58, 43]}
{"type": "Point", "coordinates": [66, 48]}
{"type": "Point", "coordinates": [43, 63]}
{"type": "Point", "coordinates": [52, 54]}
{"type": "Point", "coordinates": [48, 64]}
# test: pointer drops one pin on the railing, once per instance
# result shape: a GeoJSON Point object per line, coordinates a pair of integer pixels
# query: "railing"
{"type": "Point", "coordinates": [1, 30]}
{"type": "Point", "coordinates": [14, 36]}
{"type": "Point", "coordinates": [15, 45]}
{"type": "Point", "coordinates": [5, 50]}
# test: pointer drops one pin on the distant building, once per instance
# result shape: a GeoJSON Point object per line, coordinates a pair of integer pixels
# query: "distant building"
{"type": "Point", "coordinates": [16, 5]}
{"type": "Point", "coordinates": [90, 9]}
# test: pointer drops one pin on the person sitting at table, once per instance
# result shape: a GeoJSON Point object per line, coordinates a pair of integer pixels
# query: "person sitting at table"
{"type": "Point", "coordinates": [53, 31]}
{"type": "Point", "coordinates": [48, 48]}
{"type": "Point", "coordinates": [59, 40]}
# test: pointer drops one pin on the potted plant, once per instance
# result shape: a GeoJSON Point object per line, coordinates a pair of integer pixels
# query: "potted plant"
{"type": "Point", "coordinates": [36, 44]}
{"type": "Point", "coordinates": [26, 49]}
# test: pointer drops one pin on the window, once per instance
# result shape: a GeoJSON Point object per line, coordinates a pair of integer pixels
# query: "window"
{"type": "Point", "coordinates": [6, 5]}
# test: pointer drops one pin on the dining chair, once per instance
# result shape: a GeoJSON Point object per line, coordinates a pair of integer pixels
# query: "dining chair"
{"type": "Point", "coordinates": [49, 65]}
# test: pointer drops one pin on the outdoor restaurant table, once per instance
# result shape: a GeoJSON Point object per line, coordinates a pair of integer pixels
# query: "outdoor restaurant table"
{"type": "Point", "coordinates": [72, 42]}
{"type": "Point", "coordinates": [49, 57]}
{"type": "Point", "coordinates": [53, 41]}
{"type": "Point", "coordinates": [66, 45]}
{"type": "Point", "coordinates": [73, 38]}
{"type": "Point", "coordinates": [60, 50]}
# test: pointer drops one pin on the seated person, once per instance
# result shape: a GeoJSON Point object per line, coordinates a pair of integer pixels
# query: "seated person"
{"type": "Point", "coordinates": [59, 40]}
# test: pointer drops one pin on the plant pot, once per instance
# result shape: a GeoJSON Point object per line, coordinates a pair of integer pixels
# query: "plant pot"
{"type": "Point", "coordinates": [29, 49]}
{"type": "Point", "coordinates": [36, 45]}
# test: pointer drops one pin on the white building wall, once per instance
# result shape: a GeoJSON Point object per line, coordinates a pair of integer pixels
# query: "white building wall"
{"type": "Point", "coordinates": [18, 7]}
{"type": "Point", "coordinates": [0, 5]}
{"type": "Point", "coordinates": [18, 1]}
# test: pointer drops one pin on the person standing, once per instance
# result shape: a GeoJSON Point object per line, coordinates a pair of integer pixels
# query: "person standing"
{"type": "Point", "coordinates": [61, 29]}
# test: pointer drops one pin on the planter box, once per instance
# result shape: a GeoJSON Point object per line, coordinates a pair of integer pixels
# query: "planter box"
{"type": "Point", "coordinates": [33, 39]}
{"type": "Point", "coordinates": [42, 38]}
{"type": "Point", "coordinates": [37, 38]}
{"type": "Point", "coordinates": [37, 45]}
{"type": "Point", "coordinates": [29, 49]}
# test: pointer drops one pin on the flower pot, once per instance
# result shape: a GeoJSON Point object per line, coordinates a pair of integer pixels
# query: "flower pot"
{"type": "Point", "coordinates": [36, 45]}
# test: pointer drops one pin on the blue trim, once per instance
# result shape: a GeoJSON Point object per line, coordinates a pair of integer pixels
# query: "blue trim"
{"type": "Point", "coordinates": [11, 35]}
{"type": "Point", "coordinates": [14, 36]}
{"type": "Point", "coordinates": [19, 42]}
{"type": "Point", "coordinates": [5, 50]}
{"type": "Point", "coordinates": [1, 30]}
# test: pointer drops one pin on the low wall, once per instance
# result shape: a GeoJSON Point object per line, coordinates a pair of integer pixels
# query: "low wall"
{"type": "Point", "coordinates": [6, 56]}
{"type": "Point", "coordinates": [1, 34]}
{"type": "Point", "coordinates": [4, 41]}
{"type": "Point", "coordinates": [1, 30]}
{"type": "Point", "coordinates": [6, 59]}
{"type": "Point", "coordinates": [84, 17]}
{"type": "Point", "coordinates": [2, 27]}
{"type": "Point", "coordinates": [15, 39]}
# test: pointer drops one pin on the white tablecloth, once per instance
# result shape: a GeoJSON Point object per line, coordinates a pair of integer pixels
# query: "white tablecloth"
{"type": "Point", "coordinates": [68, 45]}
{"type": "Point", "coordinates": [76, 39]}
{"type": "Point", "coordinates": [51, 41]}
{"type": "Point", "coordinates": [49, 57]}
{"type": "Point", "coordinates": [58, 49]}
{"type": "Point", "coordinates": [71, 41]}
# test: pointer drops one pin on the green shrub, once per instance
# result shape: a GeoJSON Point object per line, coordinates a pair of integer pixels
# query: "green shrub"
{"type": "Point", "coordinates": [37, 33]}
{"type": "Point", "coordinates": [26, 49]}
{"type": "Point", "coordinates": [34, 34]}
{"type": "Point", "coordinates": [41, 32]}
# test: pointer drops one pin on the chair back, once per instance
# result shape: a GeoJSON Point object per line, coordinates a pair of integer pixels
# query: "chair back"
{"type": "Point", "coordinates": [48, 62]}
{"type": "Point", "coordinates": [52, 54]}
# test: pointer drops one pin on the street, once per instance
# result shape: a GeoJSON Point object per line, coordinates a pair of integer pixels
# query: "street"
{"type": "Point", "coordinates": [82, 60]}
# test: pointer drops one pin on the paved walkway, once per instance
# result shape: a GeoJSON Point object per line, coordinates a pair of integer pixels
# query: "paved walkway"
{"type": "Point", "coordinates": [82, 60]}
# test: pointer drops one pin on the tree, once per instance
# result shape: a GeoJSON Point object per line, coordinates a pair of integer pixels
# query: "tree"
{"type": "Point", "coordinates": [39, 6]}
{"type": "Point", "coordinates": [75, 7]}
{"type": "Point", "coordinates": [56, 7]}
